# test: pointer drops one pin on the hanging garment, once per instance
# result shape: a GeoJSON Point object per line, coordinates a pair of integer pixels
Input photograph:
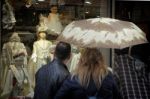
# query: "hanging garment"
{"type": "Point", "coordinates": [74, 61]}
{"type": "Point", "coordinates": [42, 24]}
{"type": "Point", "coordinates": [61, 2]}
{"type": "Point", "coordinates": [8, 19]}
{"type": "Point", "coordinates": [28, 15]}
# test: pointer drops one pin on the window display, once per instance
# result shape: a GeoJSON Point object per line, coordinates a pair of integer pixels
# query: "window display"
{"type": "Point", "coordinates": [37, 18]}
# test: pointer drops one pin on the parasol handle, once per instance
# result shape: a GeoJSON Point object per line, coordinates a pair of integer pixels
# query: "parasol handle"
{"type": "Point", "coordinates": [129, 52]}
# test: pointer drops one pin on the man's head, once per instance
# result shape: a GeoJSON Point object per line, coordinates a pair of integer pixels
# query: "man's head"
{"type": "Point", "coordinates": [62, 51]}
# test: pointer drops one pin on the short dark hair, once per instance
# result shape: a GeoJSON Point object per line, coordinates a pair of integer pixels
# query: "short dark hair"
{"type": "Point", "coordinates": [53, 5]}
{"type": "Point", "coordinates": [62, 50]}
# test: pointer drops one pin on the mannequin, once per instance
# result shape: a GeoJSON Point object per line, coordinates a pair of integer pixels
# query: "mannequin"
{"type": "Point", "coordinates": [76, 53]}
{"type": "Point", "coordinates": [53, 21]}
{"type": "Point", "coordinates": [28, 14]}
{"type": "Point", "coordinates": [40, 55]}
{"type": "Point", "coordinates": [42, 24]}
{"type": "Point", "coordinates": [14, 54]}
{"type": "Point", "coordinates": [8, 17]}
{"type": "Point", "coordinates": [41, 50]}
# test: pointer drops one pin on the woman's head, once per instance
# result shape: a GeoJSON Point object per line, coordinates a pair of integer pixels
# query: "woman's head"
{"type": "Point", "coordinates": [91, 64]}
{"type": "Point", "coordinates": [91, 58]}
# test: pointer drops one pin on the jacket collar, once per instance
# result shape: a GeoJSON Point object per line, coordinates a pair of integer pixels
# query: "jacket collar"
{"type": "Point", "coordinates": [58, 61]}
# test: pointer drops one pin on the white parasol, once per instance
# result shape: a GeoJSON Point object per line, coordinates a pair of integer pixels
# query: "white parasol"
{"type": "Point", "coordinates": [103, 32]}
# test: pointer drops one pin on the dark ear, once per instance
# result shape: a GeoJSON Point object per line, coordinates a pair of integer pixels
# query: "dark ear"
{"type": "Point", "coordinates": [69, 56]}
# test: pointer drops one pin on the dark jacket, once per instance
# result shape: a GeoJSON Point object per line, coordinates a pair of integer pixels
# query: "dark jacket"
{"type": "Point", "coordinates": [49, 79]}
{"type": "Point", "coordinates": [71, 89]}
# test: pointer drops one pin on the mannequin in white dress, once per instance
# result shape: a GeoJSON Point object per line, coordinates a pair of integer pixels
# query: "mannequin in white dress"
{"type": "Point", "coordinates": [40, 55]}
{"type": "Point", "coordinates": [41, 50]}
{"type": "Point", "coordinates": [42, 24]}
{"type": "Point", "coordinates": [53, 22]}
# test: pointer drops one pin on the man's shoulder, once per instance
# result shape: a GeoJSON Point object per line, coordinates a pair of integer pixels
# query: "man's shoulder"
{"type": "Point", "coordinates": [43, 69]}
{"type": "Point", "coordinates": [58, 69]}
{"type": "Point", "coordinates": [53, 68]}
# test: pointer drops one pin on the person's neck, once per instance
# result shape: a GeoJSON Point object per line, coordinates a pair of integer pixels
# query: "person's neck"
{"type": "Point", "coordinates": [63, 61]}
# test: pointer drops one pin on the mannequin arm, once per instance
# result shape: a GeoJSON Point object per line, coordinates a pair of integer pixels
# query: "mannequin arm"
{"type": "Point", "coordinates": [34, 55]}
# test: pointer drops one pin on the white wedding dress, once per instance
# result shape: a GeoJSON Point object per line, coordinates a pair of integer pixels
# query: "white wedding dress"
{"type": "Point", "coordinates": [40, 56]}
{"type": "Point", "coordinates": [53, 24]}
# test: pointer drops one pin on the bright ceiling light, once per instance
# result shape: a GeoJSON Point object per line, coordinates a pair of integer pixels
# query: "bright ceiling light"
{"type": "Point", "coordinates": [88, 2]}
{"type": "Point", "coordinates": [41, 0]}
{"type": "Point", "coordinates": [87, 12]}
